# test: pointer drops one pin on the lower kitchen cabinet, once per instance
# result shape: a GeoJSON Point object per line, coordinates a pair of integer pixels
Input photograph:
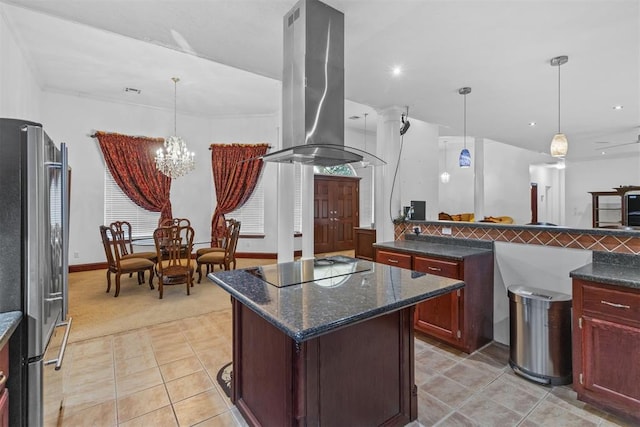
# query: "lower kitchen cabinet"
{"type": "Point", "coordinates": [364, 240]}
{"type": "Point", "coordinates": [462, 318]}
{"type": "Point", "coordinates": [440, 317]}
{"type": "Point", "coordinates": [606, 345]}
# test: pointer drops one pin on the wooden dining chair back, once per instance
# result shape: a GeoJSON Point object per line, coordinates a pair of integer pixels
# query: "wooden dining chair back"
{"type": "Point", "coordinates": [184, 222]}
{"type": "Point", "coordinates": [123, 229]}
{"type": "Point", "coordinates": [221, 243]}
{"type": "Point", "coordinates": [224, 258]}
{"type": "Point", "coordinates": [174, 244]}
{"type": "Point", "coordinates": [112, 241]}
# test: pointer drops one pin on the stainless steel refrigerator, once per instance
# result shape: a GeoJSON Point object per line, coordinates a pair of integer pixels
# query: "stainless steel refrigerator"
{"type": "Point", "coordinates": [34, 221]}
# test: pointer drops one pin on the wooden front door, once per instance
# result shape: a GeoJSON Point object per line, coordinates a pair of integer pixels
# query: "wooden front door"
{"type": "Point", "coordinates": [336, 205]}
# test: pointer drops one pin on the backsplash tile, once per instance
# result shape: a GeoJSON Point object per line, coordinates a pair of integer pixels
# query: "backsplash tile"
{"type": "Point", "coordinates": [597, 240]}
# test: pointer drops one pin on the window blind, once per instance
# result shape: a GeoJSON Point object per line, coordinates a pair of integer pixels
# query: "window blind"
{"type": "Point", "coordinates": [118, 207]}
{"type": "Point", "coordinates": [251, 214]}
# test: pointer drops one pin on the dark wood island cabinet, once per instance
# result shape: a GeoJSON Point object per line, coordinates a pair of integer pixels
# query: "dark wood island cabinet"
{"type": "Point", "coordinates": [326, 342]}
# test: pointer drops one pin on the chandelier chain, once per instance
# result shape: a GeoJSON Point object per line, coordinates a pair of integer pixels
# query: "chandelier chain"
{"type": "Point", "coordinates": [559, 97]}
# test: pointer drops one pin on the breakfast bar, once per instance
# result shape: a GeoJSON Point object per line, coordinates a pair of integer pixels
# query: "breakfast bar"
{"type": "Point", "coordinates": [326, 341]}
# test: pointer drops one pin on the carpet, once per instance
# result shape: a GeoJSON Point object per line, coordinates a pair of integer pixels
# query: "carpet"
{"type": "Point", "coordinates": [96, 313]}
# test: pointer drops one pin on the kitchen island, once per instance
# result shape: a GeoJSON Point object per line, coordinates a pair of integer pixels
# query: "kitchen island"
{"type": "Point", "coordinates": [326, 341]}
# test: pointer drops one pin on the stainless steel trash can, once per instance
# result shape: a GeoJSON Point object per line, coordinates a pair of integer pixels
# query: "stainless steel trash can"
{"type": "Point", "coordinates": [540, 335]}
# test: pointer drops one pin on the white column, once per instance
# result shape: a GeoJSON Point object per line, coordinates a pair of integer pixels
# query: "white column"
{"type": "Point", "coordinates": [306, 193]}
{"type": "Point", "coordinates": [387, 148]}
{"type": "Point", "coordinates": [478, 181]}
{"type": "Point", "coordinates": [286, 178]}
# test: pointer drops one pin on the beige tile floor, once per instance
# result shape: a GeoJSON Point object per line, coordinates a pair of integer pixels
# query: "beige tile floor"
{"type": "Point", "coordinates": [165, 375]}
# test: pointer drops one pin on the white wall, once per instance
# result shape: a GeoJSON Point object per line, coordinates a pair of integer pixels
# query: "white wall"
{"type": "Point", "coordinates": [418, 168]}
{"type": "Point", "coordinates": [541, 267]}
{"type": "Point", "coordinates": [456, 196]}
{"type": "Point", "coordinates": [603, 174]}
{"type": "Point", "coordinates": [354, 137]}
{"type": "Point", "coordinates": [507, 181]}
{"type": "Point", "coordinates": [19, 90]}
{"type": "Point", "coordinates": [73, 119]}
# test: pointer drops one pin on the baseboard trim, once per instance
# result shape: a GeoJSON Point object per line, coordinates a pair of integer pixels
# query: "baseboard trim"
{"type": "Point", "coordinates": [87, 267]}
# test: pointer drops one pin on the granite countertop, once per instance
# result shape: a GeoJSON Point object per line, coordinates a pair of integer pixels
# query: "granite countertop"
{"type": "Point", "coordinates": [307, 310]}
{"type": "Point", "coordinates": [8, 323]}
{"type": "Point", "coordinates": [456, 252]}
{"type": "Point", "coordinates": [612, 274]}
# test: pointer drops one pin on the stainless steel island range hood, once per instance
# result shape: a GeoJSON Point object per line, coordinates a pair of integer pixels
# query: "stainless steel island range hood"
{"type": "Point", "coordinates": [313, 89]}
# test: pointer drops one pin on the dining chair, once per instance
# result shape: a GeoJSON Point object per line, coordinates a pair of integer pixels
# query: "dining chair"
{"type": "Point", "coordinates": [123, 228]}
{"type": "Point", "coordinates": [174, 244]}
{"type": "Point", "coordinates": [175, 221]}
{"type": "Point", "coordinates": [112, 240]}
{"type": "Point", "coordinates": [223, 258]}
{"type": "Point", "coordinates": [224, 223]}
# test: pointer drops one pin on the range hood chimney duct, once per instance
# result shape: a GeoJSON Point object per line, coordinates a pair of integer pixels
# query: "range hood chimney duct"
{"type": "Point", "coordinates": [313, 89]}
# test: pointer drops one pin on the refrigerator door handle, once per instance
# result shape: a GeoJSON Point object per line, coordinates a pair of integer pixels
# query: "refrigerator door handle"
{"type": "Point", "coordinates": [66, 190]}
{"type": "Point", "coordinates": [63, 347]}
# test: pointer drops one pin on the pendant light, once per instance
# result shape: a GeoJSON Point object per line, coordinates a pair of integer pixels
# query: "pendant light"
{"type": "Point", "coordinates": [174, 159]}
{"type": "Point", "coordinates": [465, 157]}
{"type": "Point", "coordinates": [444, 176]}
{"type": "Point", "coordinates": [559, 143]}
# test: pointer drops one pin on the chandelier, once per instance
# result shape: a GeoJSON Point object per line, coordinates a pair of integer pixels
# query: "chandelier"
{"type": "Point", "coordinates": [175, 160]}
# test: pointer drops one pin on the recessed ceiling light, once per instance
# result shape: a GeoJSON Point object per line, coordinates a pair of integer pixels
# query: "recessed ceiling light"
{"type": "Point", "coordinates": [618, 107]}
{"type": "Point", "coordinates": [532, 124]}
{"type": "Point", "coordinates": [397, 70]}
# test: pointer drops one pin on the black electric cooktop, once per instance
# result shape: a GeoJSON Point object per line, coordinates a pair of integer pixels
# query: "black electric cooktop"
{"type": "Point", "coordinates": [309, 270]}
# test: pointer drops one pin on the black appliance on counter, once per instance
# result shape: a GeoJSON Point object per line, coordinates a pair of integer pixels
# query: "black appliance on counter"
{"type": "Point", "coordinates": [418, 210]}
{"type": "Point", "coordinates": [34, 223]}
{"type": "Point", "coordinates": [632, 208]}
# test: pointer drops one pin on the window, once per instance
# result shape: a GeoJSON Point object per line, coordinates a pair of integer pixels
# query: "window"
{"type": "Point", "coordinates": [344, 170]}
{"type": "Point", "coordinates": [118, 207]}
{"type": "Point", "coordinates": [251, 214]}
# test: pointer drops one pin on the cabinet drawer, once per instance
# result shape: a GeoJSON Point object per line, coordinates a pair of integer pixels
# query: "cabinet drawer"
{"type": "Point", "coordinates": [439, 267]}
{"type": "Point", "coordinates": [393, 258]}
{"type": "Point", "coordinates": [616, 303]}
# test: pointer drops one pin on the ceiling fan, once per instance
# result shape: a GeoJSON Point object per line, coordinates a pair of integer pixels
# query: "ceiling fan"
{"type": "Point", "coordinates": [637, 141]}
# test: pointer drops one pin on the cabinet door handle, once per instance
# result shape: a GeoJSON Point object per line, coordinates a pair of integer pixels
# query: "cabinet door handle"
{"type": "Point", "coordinates": [393, 261]}
{"type": "Point", "coordinates": [613, 304]}
{"type": "Point", "coordinates": [434, 268]}
{"type": "Point", "coordinates": [3, 380]}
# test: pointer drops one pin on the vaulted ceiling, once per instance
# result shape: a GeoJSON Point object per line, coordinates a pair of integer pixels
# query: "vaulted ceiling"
{"type": "Point", "coordinates": [228, 54]}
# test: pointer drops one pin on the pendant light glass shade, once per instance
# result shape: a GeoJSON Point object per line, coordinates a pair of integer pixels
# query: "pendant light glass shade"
{"type": "Point", "coordinates": [559, 143]}
{"type": "Point", "coordinates": [444, 176]}
{"type": "Point", "coordinates": [465, 156]}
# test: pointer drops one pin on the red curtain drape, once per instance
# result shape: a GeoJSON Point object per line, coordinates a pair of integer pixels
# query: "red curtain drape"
{"type": "Point", "coordinates": [131, 161]}
{"type": "Point", "coordinates": [236, 169]}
